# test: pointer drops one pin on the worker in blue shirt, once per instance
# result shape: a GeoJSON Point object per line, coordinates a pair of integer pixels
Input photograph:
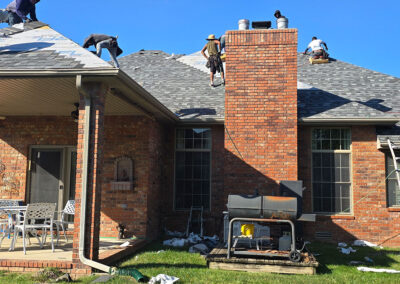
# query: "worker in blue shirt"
{"type": "Point", "coordinates": [17, 11]}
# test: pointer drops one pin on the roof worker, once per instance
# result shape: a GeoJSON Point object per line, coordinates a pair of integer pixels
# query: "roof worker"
{"type": "Point", "coordinates": [214, 62]}
{"type": "Point", "coordinates": [101, 41]}
{"type": "Point", "coordinates": [317, 50]}
{"type": "Point", "coordinates": [281, 21]}
{"type": "Point", "coordinates": [16, 12]}
{"type": "Point", "coordinates": [278, 15]}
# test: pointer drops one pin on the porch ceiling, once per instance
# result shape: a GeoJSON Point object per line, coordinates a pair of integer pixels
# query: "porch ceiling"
{"type": "Point", "coordinates": [47, 96]}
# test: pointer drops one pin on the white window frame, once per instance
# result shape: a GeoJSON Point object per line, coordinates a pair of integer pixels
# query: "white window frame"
{"type": "Point", "coordinates": [349, 151]}
{"type": "Point", "coordinates": [391, 177]}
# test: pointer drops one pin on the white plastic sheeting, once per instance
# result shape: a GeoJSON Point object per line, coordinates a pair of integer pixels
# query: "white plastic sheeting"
{"type": "Point", "coordinates": [379, 270]}
{"type": "Point", "coordinates": [163, 279]}
{"type": "Point", "coordinates": [362, 243]}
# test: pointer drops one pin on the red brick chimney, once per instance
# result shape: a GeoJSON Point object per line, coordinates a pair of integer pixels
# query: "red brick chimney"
{"type": "Point", "coordinates": [260, 110]}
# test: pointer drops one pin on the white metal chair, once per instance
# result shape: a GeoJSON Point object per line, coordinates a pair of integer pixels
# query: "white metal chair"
{"type": "Point", "coordinates": [42, 212]}
{"type": "Point", "coordinates": [69, 209]}
{"type": "Point", "coordinates": [5, 224]}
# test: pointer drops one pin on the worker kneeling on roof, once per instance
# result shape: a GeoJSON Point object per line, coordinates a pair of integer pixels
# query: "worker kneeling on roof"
{"type": "Point", "coordinates": [317, 50]}
{"type": "Point", "coordinates": [17, 11]}
{"type": "Point", "coordinates": [214, 61]}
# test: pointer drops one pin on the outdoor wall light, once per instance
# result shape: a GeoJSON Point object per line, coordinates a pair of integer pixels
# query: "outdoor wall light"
{"type": "Point", "coordinates": [75, 113]}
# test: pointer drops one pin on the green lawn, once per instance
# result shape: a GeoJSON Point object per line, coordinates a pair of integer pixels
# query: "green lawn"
{"type": "Point", "coordinates": [192, 268]}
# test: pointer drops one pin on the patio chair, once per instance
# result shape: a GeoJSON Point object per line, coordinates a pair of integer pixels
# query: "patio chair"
{"type": "Point", "coordinates": [5, 219]}
{"type": "Point", "coordinates": [38, 216]}
{"type": "Point", "coordinates": [69, 209]}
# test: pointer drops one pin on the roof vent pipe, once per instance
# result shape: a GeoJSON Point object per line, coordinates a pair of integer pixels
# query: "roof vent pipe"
{"type": "Point", "coordinates": [243, 25]}
{"type": "Point", "coordinates": [282, 23]}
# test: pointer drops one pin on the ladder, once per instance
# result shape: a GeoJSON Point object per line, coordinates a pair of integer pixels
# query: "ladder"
{"type": "Point", "coordinates": [393, 147]}
{"type": "Point", "coordinates": [195, 220]}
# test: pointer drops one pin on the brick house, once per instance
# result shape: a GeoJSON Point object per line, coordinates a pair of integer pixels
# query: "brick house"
{"type": "Point", "coordinates": [152, 138]}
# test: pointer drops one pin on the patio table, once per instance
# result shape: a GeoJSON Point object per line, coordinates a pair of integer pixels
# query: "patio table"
{"type": "Point", "coordinates": [13, 213]}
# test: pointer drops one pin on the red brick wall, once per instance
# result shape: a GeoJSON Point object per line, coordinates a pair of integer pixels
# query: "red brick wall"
{"type": "Point", "coordinates": [260, 110]}
{"type": "Point", "coordinates": [16, 135]}
{"type": "Point", "coordinates": [371, 219]}
{"type": "Point", "coordinates": [142, 140]}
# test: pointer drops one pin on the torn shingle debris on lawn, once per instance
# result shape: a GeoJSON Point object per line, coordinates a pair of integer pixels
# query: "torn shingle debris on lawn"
{"type": "Point", "coordinates": [199, 244]}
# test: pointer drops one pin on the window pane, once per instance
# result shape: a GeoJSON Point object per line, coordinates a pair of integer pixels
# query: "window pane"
{"type": "Point", "coordinates": [205, 172]}
{"type": "Point", "coordinates": [197, 200]}
{"type": "Point", "coordinates": [337, 205]}
{"type": "Point", "coordinates": [188, 143]}
{"type": "Point", "coordinates": [317, 174]}
{"type": "Point", "coordinates": [335, 134]}
{"type": "Point", "coordinates": [197, 156]}
{"type": "Point", "coordinates": [180, 171]}
{"type": "Point", "coordinates": [327, 160]}
{"type": "Point", "coordinates": [316, 159]}
{"type": "Point", "coordinates": [345, 190]}
{"type": "Point", "coordinates": [197, 144]}
{"type": "Point", "coordinates": [180, 187]}
{"type": "Point", "coordinates": [345, 175]}
{"type": "Point", "coordinates": [197, 172]}
{"type": "Point", "coordinates": [180, 144]}
{"type": "Point", "coordinates": [326, 190]}
{"type": "Point", "coordinates": [188, 187]}
{"type": "Point", "coordinates": [326, 145]}
{"type": "Point", "coordinates": [331, 170]}
{"type": "Point", "coordinates": [205, 158]}
{"type": "Point", "coordinates": [316, 134]}
{"type": "Point", "coordinates": [317, 190]}
{"type": "Point", "coordinates": [326, 205]}
{"type": "Point", "coordinates": [192, 168]}
{"type": "Point", "coordinates": [393, 192]}
{"type": "Point", "coordinates": [336, 145]}
{"type": "Point", "coordinates": [325, 134]}
{"type": "Point", "coordinates": [326, 174]}
{"type": "Point", "coordinates": [346, 205]}
{"type": "Point", "coordinates": [188, 133]}
{"type": "Point", "coordinates": [188, 172]}
{"type": "Point", "coordinates": [345, 160]}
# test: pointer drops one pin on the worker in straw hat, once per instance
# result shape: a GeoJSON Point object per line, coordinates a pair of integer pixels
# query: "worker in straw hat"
{"type": "Point", "coordinates": [214, 62]}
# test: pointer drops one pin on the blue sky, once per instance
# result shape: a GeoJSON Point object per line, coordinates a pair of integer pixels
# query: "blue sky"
{"type": "Point", "coordinates": [362, 32]}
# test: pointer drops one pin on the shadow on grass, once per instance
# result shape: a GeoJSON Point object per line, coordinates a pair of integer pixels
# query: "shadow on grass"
{"type": "Point", "coordinates": [330, 255]}
{"type": "Point", "coordinates": [164, 265]}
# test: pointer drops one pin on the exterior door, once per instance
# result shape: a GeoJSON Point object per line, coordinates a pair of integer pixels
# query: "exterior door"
{"type": "Point", "coordinates": [46, 175]}
{"type": "Point", "coordinates": [52, 175]}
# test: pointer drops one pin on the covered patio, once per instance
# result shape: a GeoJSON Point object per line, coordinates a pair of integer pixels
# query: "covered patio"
{"type": "Point", "coordinates": [87, 133]}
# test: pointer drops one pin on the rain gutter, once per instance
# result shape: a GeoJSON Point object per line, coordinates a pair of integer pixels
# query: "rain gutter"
{"type": "Point", "coordinates": [349, 121]}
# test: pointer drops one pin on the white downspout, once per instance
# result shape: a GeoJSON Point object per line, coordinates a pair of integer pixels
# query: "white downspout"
{"type": "Point", "coordinates": [86, 134]}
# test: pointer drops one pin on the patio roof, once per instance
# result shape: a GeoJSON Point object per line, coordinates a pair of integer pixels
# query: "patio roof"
{"type": "Point", "coordinates": [39, 69]}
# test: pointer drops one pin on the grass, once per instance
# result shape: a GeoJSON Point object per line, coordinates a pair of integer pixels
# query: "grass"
{"type": "Point", "coordinates": [192, 268]}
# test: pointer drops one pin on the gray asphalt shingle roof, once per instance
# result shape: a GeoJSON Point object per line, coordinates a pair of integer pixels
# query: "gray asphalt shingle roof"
{"type": "Point", "coordinates": [180, 87]}
{"type": "Point", "coordinates": [334, 90]}
{"type": "Point", "coordinates": [343, 90]}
